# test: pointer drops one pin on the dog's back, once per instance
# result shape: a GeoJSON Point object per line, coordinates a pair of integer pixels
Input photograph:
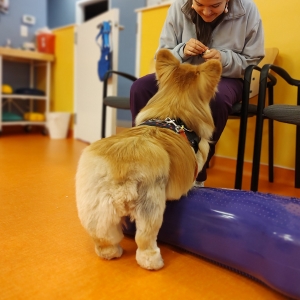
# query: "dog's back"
{"type": "Point", "coordinates": [142, 155]}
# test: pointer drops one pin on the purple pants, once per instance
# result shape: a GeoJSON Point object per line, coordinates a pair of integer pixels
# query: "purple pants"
{"type": "Point", "coordinates": [229, 93]}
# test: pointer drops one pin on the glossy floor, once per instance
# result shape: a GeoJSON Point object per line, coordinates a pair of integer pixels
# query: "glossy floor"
{"type": "Point", "coordinates": [46, 254]}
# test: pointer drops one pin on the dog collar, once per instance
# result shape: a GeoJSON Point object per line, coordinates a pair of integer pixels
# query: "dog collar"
{"type": "Point", "coordinates": [177, 126]}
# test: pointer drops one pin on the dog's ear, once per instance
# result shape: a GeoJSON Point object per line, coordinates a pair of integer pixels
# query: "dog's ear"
{"type": "Point", "coordinates": [166, 62]}
{"type": "Point", "coordinates": [212, 69]}
{"type": "Point", "coordinates": [210, 75]}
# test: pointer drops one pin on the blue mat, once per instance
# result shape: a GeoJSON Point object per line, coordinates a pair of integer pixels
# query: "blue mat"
{"type": "Point", "coordinates": [252, 233]}
{"type": "Point", "coordinates": [10, 117]}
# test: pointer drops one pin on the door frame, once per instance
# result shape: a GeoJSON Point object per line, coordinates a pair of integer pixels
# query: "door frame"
{"type": "Point", "coordinates": [80, 6]}
{"type": "Point", "coordinates": [94, 133]}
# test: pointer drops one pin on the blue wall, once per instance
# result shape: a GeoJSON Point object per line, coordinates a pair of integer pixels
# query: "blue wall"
{"type": "Point", "coordinates": [16, 74]}
{"type": "Point", "coordinates": [10, 23]}
{"type": "Point", "coordinates": [127, 46]}
{"type": "Point", "coordinates": [61, 12]}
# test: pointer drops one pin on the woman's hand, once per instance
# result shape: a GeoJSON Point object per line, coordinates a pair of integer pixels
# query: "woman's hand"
{"type": "Point", "coordinates": [212, 54]}
{"type": "Point", "coordinates": [194, 47]}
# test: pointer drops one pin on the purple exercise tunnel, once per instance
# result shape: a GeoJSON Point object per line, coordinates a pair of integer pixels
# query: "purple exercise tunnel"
{"type": "Point", "coordinates": [255, 234]}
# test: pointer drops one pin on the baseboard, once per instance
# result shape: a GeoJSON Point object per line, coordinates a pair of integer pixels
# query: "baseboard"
{"type": "Point", "coordinates": [281, 175]}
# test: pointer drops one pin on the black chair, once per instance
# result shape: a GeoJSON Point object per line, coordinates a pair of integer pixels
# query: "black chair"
{"type": "Point", "coordinates": [113, 101]}
{"type": "Point", "coordinates": [282, 113]}
{"type": "Point", "coordinates": [244, 110]}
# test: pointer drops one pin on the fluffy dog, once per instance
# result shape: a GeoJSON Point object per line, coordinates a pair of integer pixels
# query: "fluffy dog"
{"type": "Point", "coordinates": [134, 172]}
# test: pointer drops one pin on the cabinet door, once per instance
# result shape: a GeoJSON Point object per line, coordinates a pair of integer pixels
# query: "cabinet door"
{"type": "Point", "coordinates": [147, 47]}
{"type": "Point", "coordinates": [88, 87]}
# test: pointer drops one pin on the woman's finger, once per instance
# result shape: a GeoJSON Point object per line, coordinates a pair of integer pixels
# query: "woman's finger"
{"type": "Point", "coordinates": [212, 54]}
{"type": "Point", "coordinates": [194, 47]}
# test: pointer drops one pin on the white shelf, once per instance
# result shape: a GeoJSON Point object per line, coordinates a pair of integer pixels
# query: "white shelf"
{"type": "Point", "coordinates": [23, 97]}
{"type": "Point", "coordinates": [35, 60]}
{"type": "Point", "coordinates": [23, 123]}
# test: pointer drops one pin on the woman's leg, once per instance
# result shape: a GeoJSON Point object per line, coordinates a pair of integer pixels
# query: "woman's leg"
{"type": "Point", "coordinates": [142, 90]}
{"type": "Point", "coordinates": [229, 93]}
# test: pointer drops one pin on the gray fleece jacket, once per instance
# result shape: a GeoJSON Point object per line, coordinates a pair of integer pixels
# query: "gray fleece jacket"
{"type": "Point", "coordinates": [239, 37]}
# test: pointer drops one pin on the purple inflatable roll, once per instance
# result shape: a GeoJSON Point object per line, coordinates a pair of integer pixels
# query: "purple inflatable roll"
{"type": "Point", "coordinates": [254, 233]}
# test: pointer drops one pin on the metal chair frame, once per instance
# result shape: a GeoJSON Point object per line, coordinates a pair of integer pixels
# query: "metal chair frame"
{"type": "Point", "coordinates": [261, 116]}
{"type": "Point", "coordinates": [113, 101]}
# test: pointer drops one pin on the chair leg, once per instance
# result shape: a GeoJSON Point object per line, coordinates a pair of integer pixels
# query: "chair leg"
{"type": "Point", "coordinates": [241, 153]}
{"type": "Point", "coordinates": [259, 127]}
{"type": "Point", "coordinates": [271, 150]}
{"type": "Point", "coordinates": [271, 137]}
{"type": "Point", "coordinates": [103, 121]}
{"type": "Point", "coordinates": [243, 127]}
{"type": "Point", "coordinates": [297, 164]}
{"type": "Point", "coordinates": [256, 154]}
{"type": "Point", "coordinates": [258, 137]}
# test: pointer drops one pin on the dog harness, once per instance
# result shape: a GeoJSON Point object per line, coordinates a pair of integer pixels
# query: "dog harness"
{"type": "Point", "coordinates": [177, 126]}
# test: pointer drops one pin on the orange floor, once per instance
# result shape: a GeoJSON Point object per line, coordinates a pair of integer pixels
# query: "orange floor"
{"type": "Point", "coordinates": [46, 254]}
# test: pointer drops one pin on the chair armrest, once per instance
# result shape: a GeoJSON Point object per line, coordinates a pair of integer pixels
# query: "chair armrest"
{"type": "Point", "coordinates": [107, 75]}
{"type": "Point", "coordinates": [242, 109]}
{"type": "Point", "coordinates": [281, 72]}
{"type": "Point", "coordinates": [248, 79]}
{"type": "Point", "coordinates": [123, 74]}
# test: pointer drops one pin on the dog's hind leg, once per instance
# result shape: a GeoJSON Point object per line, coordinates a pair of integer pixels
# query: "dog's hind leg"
{"type": "Point", "coordinates": [108, 246]}
{"type": "Point", "coordinates": [106, 229]}
{"type": "Point", "coordinates": [148, 219]}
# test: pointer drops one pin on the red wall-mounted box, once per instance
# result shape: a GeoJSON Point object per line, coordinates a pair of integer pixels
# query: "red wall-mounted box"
{"type": "Point", "coordinates": [45, 42]}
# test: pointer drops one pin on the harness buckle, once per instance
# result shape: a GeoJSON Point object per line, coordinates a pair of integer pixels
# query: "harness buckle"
{"type": "Point", "coordinates": [177, 127]}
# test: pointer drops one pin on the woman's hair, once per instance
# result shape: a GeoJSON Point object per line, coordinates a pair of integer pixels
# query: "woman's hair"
{"type": "Point", "coordinates": [203, 29]}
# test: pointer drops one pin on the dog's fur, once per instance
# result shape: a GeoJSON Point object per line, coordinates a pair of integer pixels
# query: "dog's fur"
{"type": "Point", "coordinates": [134, 172]}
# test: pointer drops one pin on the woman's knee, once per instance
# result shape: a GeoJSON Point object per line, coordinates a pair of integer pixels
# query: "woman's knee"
{"type": "Point", "coordinates": [229, 92]}
{"type": "Point", "coordinates": [145, 86]}
{"type": "Point", "coordinates": [142, 90]}
{"type": "Point", "coordinates": [135, 87]}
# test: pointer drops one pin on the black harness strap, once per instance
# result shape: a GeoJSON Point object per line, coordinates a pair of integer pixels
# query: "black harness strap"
{"type": "Point", "coordinates": [178, 127]}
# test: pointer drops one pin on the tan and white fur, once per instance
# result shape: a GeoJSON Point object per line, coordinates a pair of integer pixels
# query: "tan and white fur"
{"type": "Point", "coordinates": [134, 172]}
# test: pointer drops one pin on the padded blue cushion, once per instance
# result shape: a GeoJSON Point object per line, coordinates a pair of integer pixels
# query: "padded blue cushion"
{"type": "Point", "coordinates": [254, 233]}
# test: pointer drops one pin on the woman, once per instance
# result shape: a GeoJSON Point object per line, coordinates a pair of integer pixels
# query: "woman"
{"type": "Point", "coordinates": [232, 32]}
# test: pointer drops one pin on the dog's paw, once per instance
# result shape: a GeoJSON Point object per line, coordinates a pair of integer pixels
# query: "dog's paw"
{"type": "Point", "coordinates": [149, 259]}
{"type": "Point", "coordinates": [199, 184]}
{"type": "Point", "coordinates": [109, 252]}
